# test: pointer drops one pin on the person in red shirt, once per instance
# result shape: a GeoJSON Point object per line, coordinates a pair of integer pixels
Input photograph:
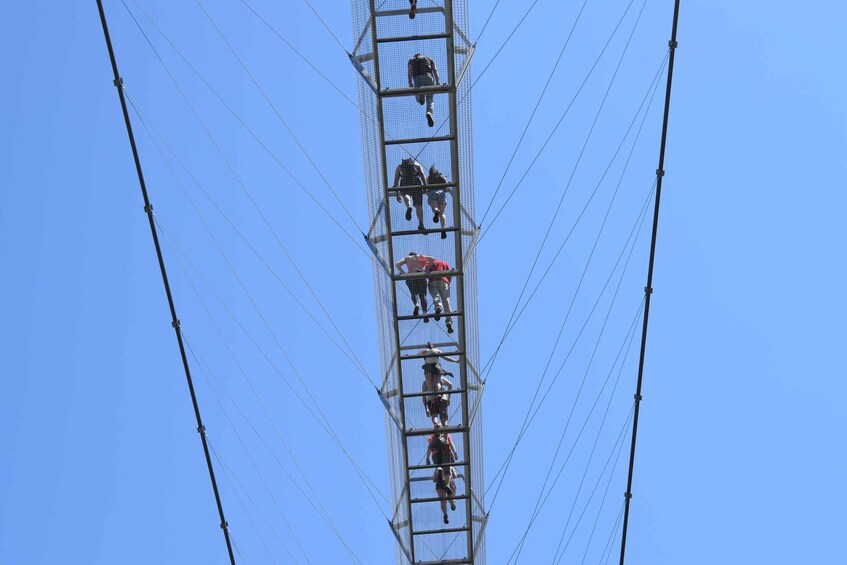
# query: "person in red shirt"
{"type": "Point", "coordinates": [439, 289]}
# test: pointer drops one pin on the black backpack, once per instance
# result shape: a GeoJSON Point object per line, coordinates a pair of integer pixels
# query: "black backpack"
{"type": "Point", "coordinates": [421, 65]}
{"type": "Point", "coordinates": [407, 169]}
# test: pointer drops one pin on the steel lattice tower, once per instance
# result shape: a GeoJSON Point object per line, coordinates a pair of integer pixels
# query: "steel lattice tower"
{"type": "Point", "coordinates": [393, 128]}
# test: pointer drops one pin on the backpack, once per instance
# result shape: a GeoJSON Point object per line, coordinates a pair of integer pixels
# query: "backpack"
{"type": "Point", "coordinates": [421, 65]}
{"type": "Point", "coordinates": [407, 169]}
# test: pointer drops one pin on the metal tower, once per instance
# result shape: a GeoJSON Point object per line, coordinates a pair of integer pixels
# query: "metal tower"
{"type": "Point", "coordinates": [394, 127]}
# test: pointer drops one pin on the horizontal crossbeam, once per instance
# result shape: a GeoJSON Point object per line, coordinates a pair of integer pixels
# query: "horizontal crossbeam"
{"type": "Point", "coordinates": [434, 393]}
{"type": "Point", "coordinates": [430, 354]}
{"type": "Point", "coordinates": [412, 90]}
{"type": "Point", "coordinates": [438, 498]}
{"type": "Point", "coordinates": [412, 37]}
{"type": "Point", "coordinates": [420, 317]}
{"type": "Point", "coordinates": [419, 140]}
{"type": "Point", "coordinates": [430, 431]}
{"type": "Point", "coordinates": [444, 531]}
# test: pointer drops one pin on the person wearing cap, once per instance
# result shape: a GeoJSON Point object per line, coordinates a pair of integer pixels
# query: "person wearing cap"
{"type": "Point", "coordinates": [437, 198]}
{"type": "Point", "coordinates": [439, 289]}
{"type": "Point", "coordinates": [415, 263]}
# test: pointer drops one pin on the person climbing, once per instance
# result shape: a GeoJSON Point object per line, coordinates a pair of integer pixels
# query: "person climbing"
{"type": "Point", "coordinates": [439, 289]}
{"type": "Point", "coordinates": [437, 198]}
{"type": "Point", "coordinates": [413, 5]}
{"type": "Point", "coordinates": [423, 72]}
{"type": "Point", "coordinates": [409, 176]}
{"type": "Point", "coordinates": [445, 485]}
{"type": "Point", "coordinates": [432, 366]}
{"type": "Point", "coordinates": [415, 263]}
{"type": "Point", "coordinates": [436, 404]}
{"type": "Point", "coordinates": [441, 449]}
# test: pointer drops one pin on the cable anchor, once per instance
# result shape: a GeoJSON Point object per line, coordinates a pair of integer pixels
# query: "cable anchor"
{"type": "Point", "coordinates": [148, 208]}
{"type": "Point", "coordinates": [118, 82]}
{"type": "Point", "coordinates": [638, 397]}
{"type": "Point", "coordinates": [175, 324]}
{"type": "Point", "coordinates": [627, 495]}
{"type": "Point", "coordinates": [201, 430]}
{"type": "Point", "coordinates": [660, 172]}
{"type": "Point", "coordinates": [673, 44]}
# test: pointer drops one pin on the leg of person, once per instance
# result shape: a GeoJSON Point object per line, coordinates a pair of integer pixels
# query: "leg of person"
{"type": "Point", "coordinates": [443, 494]}
{"type": "Point", "coordinates": [408, 201]}
{"type": "Point", "coordinates": [453, 488]}
{"type": "Point", "coordinates": [436, 299]}
{"type": "Point", "coordinates": [419, 211]}
{"type": "Point", "coordinates": [420, 291]}
{"type": "Point", "coordinates": [433, 204]}
{"type": "Point", "coordinates": [413, 5]}
{"type": "Point", "coordinates": [442, 412]}
{"type": "Point", "coordinates": [410, 284]}
{"type": "Point", "coordinates": [444, 292]}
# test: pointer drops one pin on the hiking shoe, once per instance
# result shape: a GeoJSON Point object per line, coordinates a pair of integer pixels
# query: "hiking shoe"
{"type": "Point", "coordinates": [408, 213]}
{"type": "Point", "coordinates": [438, 311]}
{"type": "Point", "coordinates": [429, 119]}
{"type": "Point", "coordinates": [446, 519]}
{"type": "Point", "coordinates": [417, 310]}
{"type": "Point", "coordinates": [443, 234]}
{"type": "Point", "coordinates": [426, 319]}
{"type": "Point", "coordinates": [436, 217]}
{"type": "Point", "coordinates": [413, 5]}
{"type": "Point", "coordinates": [452, 505]}
{"type": "Point", "coordinates": [449, 327]}
{"type": "Point", "coordinates": [421, 227]}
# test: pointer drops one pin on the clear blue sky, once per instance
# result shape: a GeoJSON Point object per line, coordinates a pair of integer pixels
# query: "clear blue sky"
{"type": "Point", "coordinates": [740, 451]}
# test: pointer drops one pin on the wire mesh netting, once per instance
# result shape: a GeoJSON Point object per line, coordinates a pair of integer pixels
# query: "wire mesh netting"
{"type": "Point", "coordinates": [439, 224]}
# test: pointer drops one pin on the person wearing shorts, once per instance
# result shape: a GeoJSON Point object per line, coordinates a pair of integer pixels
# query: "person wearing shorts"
{"type": "Point", "coordinates": [409, 176]}
{"type": "Point", "coordinates": [437, 199]}
{"type": "Point", "coordinates": [445, 485]}
{"type": "Point", "coordinates": [436, 404]}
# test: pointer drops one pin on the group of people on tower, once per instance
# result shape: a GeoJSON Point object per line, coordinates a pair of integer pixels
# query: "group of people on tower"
{"type": "Point", "coordinates": [413, 182]}
{"type": "Point", "coordinates": [438, 285]}
{"type": "Point", "coordinates": [410, 178]}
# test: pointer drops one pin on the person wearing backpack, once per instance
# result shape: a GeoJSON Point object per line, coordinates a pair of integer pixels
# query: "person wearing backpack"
{"type": "Point", "coordinates": [442, 449]}
{"type": "Point", "coordinates": [409, 176]}
{"type": "Point", "coordinates": [423, 72]}
{"type": "Point", "coordinates": [445, 485]}
{"type": "Point", "coordinates": [437, 198]}
{"type": "Point", "coordinates": [436, 404]}
{"type": "Point", "coordinates": [439, 289]}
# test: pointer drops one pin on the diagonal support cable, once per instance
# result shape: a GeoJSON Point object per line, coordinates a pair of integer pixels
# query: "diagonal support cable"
{"type": "Point", "coordinates": [148, 209]}
{"type": "Point", "coordinates": [648, 290]}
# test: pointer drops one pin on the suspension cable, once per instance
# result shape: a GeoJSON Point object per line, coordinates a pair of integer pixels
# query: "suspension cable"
{"type": "Point", "coordinates": [148, 208]}
{"type": "Point", "coordinates": [648, 290]}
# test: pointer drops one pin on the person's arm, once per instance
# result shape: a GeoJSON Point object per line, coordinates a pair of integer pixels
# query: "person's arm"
{"type": "Point", "coordinates": [435, 72]}
{"type": "Point", "coordinates": [425, 388]}
{"type": "Point", "coordinates": [428, 452]}
{"type": "Point", "coordinates": [409, 72]}
{"type": "Point", "coordinates": [451, 359]}
{"type": "Point", "coordinates": [446, 383]}
{"type": "Point", "coordinates": [421, 174]}
{"type": "Point", "coordinates": [452, 449]}
{"type": "Point", "coordinates": [397, 181]}
{"type": "Point", "coordinates": [400, 264]}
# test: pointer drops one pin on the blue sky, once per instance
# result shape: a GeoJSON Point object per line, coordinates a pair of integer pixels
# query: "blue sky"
{"type": "Point", "coordinates": [740, 455]}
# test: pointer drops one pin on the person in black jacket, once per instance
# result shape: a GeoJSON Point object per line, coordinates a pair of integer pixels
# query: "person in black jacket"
{"type": "Point", "coordinates": [409, 176]}
{"type": "Point", "coordinates": [423, 72]}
